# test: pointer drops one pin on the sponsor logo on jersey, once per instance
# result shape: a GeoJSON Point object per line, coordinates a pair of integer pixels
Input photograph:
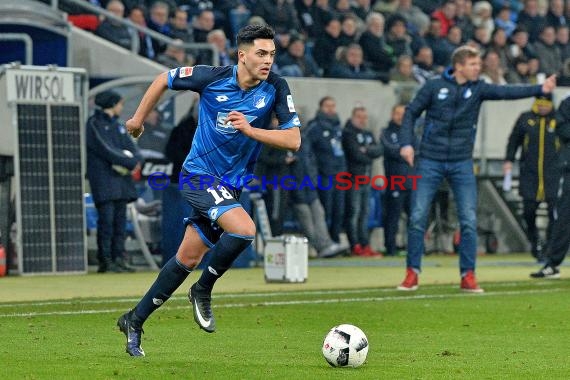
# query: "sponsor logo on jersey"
{"type": "Point", "coordinates": [222, 98]}
{"type": "Point", "coordinates": [290, 103]}
{"type": "Point", "coordinates": [186, 71]}
{"type": "Point", "coordinates": [223, 126]}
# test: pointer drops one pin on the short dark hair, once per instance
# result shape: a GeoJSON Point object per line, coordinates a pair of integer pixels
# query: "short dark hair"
{"type": "Point", "coordinates": [250, 33]}
{"type": "Point", "coordinates": [324, 99]}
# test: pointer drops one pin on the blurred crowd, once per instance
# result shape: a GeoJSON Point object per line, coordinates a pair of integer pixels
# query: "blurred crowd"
{"type": "Point", "coordinates": [389, 40]}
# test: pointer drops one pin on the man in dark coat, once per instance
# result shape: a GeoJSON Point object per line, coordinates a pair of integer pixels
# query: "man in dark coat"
{"type": "Point", "coordinates": [111, 156]}
{"type": "Point", "coordinates": [394, 166]}
{"type": "Point", "coordinates": [559, 241]}
{"type": "Point", "coordinates": [535, 133]}
{"type": "Point", "coordinates": [360, 148]}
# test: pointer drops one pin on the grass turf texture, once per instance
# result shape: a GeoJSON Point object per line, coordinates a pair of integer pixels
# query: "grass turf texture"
{"type": "Point", "coordinates": [518, 329]}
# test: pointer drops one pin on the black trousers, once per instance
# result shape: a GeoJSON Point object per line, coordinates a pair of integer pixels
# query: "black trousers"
{"type": "Point", "coordinates": [395, 202]}
{"type": "Point", "coordinates": [559, 242]}
{"type": "Point", "coordinates": [529, 213]}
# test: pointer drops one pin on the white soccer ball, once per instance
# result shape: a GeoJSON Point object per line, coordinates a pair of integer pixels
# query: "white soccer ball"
{"type": "Point", "coordinates": [345, 346]}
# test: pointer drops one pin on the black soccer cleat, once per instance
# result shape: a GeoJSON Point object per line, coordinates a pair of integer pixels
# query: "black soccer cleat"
{"type": "Point", "coordinates": [134, 335]}
{"type": "Point", "coordinates": [547, 272]}
{"type": "Point", "coordinates": [201, 302]}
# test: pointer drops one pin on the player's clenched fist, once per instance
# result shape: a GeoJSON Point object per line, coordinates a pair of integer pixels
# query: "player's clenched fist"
{"type": "Point", "coordinates": [238, 121]}
{"type": "Point", "coordinates": [135, 129]}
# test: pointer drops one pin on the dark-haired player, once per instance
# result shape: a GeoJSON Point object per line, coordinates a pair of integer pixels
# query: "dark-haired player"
{"type": "Point", "coordinates": [236, 104]}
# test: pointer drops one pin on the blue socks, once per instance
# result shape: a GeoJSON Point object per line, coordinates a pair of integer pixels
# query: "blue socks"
{"type": "Point", "coordinates": [171, 276]}
{"type": "Point", "coordinates": [226, 250]}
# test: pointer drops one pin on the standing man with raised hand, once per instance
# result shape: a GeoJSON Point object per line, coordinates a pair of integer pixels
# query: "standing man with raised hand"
{"type": "Point", "coordinates": [236, 104]}
{"type": "Point", "coordinates": [452, 102]}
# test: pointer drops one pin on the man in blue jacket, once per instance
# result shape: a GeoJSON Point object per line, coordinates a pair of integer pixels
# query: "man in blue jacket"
{"type": "Point", "coordinates": [452, 102]}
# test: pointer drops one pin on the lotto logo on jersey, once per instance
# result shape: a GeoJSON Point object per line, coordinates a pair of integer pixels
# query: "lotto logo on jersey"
{"type": "Point", "coordinates": [185, 72]}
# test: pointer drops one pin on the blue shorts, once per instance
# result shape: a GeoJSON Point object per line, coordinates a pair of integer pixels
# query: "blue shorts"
{"type": "Point", "coordinates": [208, 202]}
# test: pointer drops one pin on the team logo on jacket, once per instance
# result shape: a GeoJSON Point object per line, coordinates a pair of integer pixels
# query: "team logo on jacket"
{"type": "Point", "coordinates": [443, 93]}
{"type": "Point", "coordinates": [467, 94]}
{"type": "Point", "coordinates": [258, 101]}
{"type": "Point", "coordinates": [185, 72]}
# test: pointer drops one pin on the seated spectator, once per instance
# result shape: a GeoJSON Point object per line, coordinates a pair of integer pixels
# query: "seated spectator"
{"type": "Point", "coordinates": [433, 36]}
{"type": "Point", "coordinates": [280, 14]}
{"type": "Point", "coordinates": [342, 8]}
{"type": "Point", "coordinates": [179, 26]}
{"type": "Point", "coordinates": [463, 10]}
{"type": "Point", "coordinates": [361, 8]}
{"type": "Point", "coordinates": [555, 16]}
{"type": "Point", "coordinates": [306, 16]}
{"type": "Point", "coordinates": [137, 16]}
{"type": "Point", "coordinates": [533, 69]}
{"type": "Point", "coordinates": [295, 62]}
{"type": "Point", "coordinates": [416, 19]}
{"type": "Point", "coordinates": [112, 30]}
{"type": "Point", "coordinates": [519, 73]}
{"type": "Point", "coordinates": [158, 21]}
{"type": "Point", "coordinates": [377, 52]}
{"type": "Point", "coordinates": [492, 72]}
{"type": "Point", "coordinates": [351, 65]}
{"type": "Point", "coordinates": [499, 44]}
{"type": "Point", "coordinates": [530, 19]}
{"type": "Point", "coordinates": [174, 56]}
{"type": "Point", "coordinates": [424, 68]}
{"type": "Point", "coordinates": [547, 50]}
{"type": "Point", "coordinates": [562, 42]}
{"type": "Point", "coordinates": [203, 24]}
{"type": "Point", "coordinates": [326, 45]}
{"type": "Point", "coordinates": [564, 79]}
{"type": "Point", "coordinates": [397, 36]}
{"type": "Point", "coordinates": [504, 21]}
{"type": "Point", "coordinates": [481, 38]}
{"type": "Point", "coordinates": [520, 45]}
{"type": "Point", "coordinates": [482, 16]}
{"type": "Point", "coordinates": [446, 15]}
{"type": "Point", "coordinates": [349, 30]}
{"type": "Point", "coordinates": [403, 75]}
{"type": "Point", "coordinates": [217, 37]}
{"type": "Point", "coordinates": [442, 54]}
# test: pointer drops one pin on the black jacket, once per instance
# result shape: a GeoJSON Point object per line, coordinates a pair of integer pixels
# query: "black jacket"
{"type": "Point", "coordinates": [324, 140]}
{"type": "Point", "coordinates": [394, 164]}
{"type": "Point", "coordinates": [360, 149]}
{"type": "Point", "coordinates": [539, 171]}
{"type": "Point", "coordinates": [451, 116]}
{"type": "Point", "coordinates": [563, 132]}
{"type": "Point", "coordinates": [106, 139]}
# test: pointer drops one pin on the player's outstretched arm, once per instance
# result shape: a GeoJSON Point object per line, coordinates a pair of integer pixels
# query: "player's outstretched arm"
{"type": "Point", "coordinates": [289, 139]}
{"type": "Point", "coordinates": [152, 95]}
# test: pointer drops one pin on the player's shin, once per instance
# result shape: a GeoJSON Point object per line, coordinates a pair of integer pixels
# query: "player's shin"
{"type": "Point", "coordinates": [226, 250]}
{"type": "Point", "coordinates": [171, 276]}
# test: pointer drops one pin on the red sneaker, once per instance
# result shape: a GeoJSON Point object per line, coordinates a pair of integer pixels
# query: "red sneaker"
{"type": "Point", "coordinates": [469, 283]}
{"type": "Point", "coordinates": [368, 251]}
{"type": "Point", "coordinates": [410, 283]}
{"type": "Point", "coordinates": [357, 250]}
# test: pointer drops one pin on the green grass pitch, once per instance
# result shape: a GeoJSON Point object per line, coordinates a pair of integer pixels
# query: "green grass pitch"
{"type": "Point", "coordinates": [63, 327]}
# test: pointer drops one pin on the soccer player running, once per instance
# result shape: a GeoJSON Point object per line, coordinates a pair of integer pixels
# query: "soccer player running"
{"type": "Point", "coordinates": [236, 104]}
{"type": "Point", "coordinates": [452, 102]}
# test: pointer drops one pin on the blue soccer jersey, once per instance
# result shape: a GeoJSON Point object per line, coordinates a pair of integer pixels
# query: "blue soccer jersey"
{"type": "Point", "coordinates": [218, 149]}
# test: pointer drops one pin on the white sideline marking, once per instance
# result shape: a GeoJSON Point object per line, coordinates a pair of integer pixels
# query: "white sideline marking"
{"type": "Point", "coordinates": [303, 302]}
{"type": "Point", "coordinates": [243, 295]}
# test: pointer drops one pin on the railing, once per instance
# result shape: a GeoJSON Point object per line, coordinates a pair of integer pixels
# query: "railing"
{"type": "Point", "coordinates": [134, 39]}
{"type": "Point", "coordinates": [26, 39]}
